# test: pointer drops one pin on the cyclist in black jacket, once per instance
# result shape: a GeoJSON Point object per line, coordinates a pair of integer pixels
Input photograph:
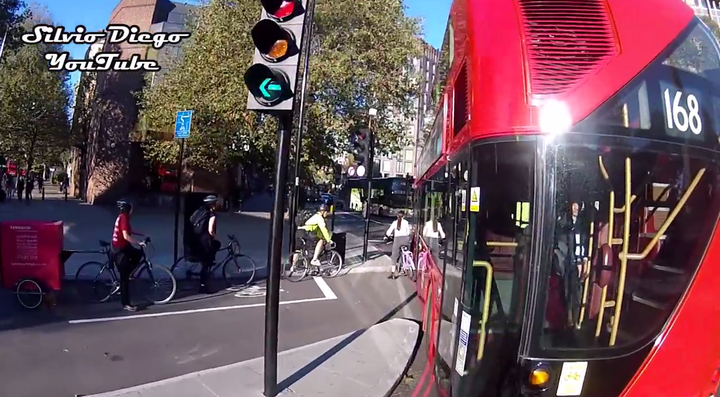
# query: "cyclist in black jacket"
{"type": "Point", "coordinates": [205, 229]}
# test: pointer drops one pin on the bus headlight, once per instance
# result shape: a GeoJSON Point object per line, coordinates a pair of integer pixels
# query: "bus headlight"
{"type": "Point", "coordinates": [554, 117]}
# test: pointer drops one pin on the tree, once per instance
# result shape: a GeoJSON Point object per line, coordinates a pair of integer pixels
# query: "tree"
{"type": "Point", "coordinates": [34, 103]}
{"type": "Point", "coordinates": [361, 51]}
{"type": "Point", "coordinates": [13, 14]}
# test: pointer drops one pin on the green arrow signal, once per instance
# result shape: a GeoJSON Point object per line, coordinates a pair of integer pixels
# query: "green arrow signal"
{"type": "Point", "coordinates": [265, 87]}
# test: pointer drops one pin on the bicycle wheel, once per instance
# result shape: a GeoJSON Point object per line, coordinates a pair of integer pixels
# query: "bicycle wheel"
{"type": "Point", "coordinates": [29, 294]}
{"type": "Point", "coordinates": [239, 271]}
{"type": "Point", "coordinates": [159, 284]}
{"type": "Point", "coordinates": [95, 281]}
{"type": "Point", "coordinates": [410, 272]}
{"type": "Point", "coordinates": [332, 264]}
{"type": "Point", "coordinates": [185, 268]}
{"type": "Point", "coordinates": [299, 270]}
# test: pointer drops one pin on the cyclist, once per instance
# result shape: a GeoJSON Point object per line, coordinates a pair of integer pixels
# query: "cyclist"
{"type": "Point", "coordinates": [125, 255]}
{"type": "Point", "coordinates": [401, 230]}
{"type": "Point", "coordinates": [315, 231]}
{"type": "Point", "coordinates": [205, 228]}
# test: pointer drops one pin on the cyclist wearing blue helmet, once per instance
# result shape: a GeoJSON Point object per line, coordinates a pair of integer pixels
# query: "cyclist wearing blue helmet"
{"type": "Point", "coordinates": [125, 255]}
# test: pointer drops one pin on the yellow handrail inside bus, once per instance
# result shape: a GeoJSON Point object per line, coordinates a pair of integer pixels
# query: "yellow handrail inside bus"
{"type": "Point", "coordinates": [586, 285]}
{"type": "Point", "coordinates": [615, 320]}
{"type": "Point", "coordinates": [661, 233]}
{"type": "Point", "coordinates": [486, 305]}
{"type": "Point", "coordinates": [512, 244]}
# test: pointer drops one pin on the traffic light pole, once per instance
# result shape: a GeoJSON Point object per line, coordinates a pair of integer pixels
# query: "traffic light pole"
{"type": "Point", "coordinates": [368, 199]}
{"type": "Point", "coordinates": [294, 200]}
{"type": "Point", "coordinates": [272, 299]}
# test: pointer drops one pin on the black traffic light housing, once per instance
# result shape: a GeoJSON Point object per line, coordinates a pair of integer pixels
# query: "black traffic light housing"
{"type": "Point", "coordinates": [277, 37]}
{"type": "Point", "coordinates": [361, 147]}
{"type": "Point", "coordinates": [268, 86]}
{"type": "Point", "coordinates": [274, 43]}
{"type": "Point", "coordinates": [283, 10]}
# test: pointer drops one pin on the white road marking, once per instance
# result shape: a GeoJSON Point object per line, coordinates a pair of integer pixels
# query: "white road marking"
{"type": "Point", "coordinates": [192, 311]}
{"type": "Point", "coordinates": [325, 288]}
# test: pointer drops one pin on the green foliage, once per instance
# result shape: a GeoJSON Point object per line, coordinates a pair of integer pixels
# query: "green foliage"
{"type": "Point", "coordinates": [361, 51]}
{"type": "Point", "coordinates": [13, 14]}
{"type": "Point", "coordinates": [34, 103]}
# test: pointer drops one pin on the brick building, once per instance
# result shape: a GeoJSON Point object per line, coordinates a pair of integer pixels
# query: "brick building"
{"type": "Point", "coordinates": [107, 162]}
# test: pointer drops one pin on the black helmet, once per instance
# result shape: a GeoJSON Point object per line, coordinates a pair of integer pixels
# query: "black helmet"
{"type": "Point", "coordinates": [211, 199]}
{"type": "Point", "coordinates": [124, 205]}
{"type": "Point", "coordinates": [324, 207]}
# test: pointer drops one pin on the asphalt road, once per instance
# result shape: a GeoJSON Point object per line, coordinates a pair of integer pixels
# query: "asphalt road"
{"type": "Point", "coordinates": [84, 349]}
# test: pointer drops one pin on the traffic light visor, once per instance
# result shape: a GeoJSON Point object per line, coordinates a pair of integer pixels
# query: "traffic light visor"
{"type": "Point", "coordinates": [274, 43]}
{"type": "Point", "coordinates": [282, 10]}
{"type": "Point", "coordinates": [268, 86]}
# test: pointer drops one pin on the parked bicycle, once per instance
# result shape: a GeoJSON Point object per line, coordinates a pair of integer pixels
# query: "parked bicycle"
{"type": "Point", "coordinates": [238, 269]}
{"type": "Point", "coordinates": [105, 281]}
{"type": "Point", "coordinates": [330, 263]}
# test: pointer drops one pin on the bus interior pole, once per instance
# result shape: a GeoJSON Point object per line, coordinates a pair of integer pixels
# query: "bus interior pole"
{"type": "Point", "coordinates": [272, 299]}
{"type": "Point", "coordinates": [366, 234]}
{"type": "Point", "coordinates": [178, 186]}
{"type": "Point", "coordinates": [295, 200]}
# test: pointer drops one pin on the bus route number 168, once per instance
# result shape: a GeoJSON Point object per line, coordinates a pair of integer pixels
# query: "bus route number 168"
{"type": "Point", "coordinates": [682, 116]}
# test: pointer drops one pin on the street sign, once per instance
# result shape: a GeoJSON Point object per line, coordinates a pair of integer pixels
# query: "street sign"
{"type": "Point", "coordinates": [360, 171]}
{"type": "Point", "coordinates": [182, 124]}
{"type": "Point", "coordinates": [351, 171]}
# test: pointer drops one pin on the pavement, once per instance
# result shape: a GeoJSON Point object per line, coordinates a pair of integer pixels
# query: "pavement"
{"type": "Point", "coordinates": [365, 363]}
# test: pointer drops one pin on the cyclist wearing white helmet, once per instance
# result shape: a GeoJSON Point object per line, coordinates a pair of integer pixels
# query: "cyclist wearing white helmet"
{"type": "Point", "coordinates": [315, 232]}
{"type": "Point", "coordinates": [205, 228]}
{"type": "Point", "coordinates": [125, 255]}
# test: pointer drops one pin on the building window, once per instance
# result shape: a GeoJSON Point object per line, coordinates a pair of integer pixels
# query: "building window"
{"type": "Point", "coordinates": [399, 167]}
{"type": "Point", "coordinates": [387, 166]}
{"type": "Point", "coordinates": [409, 155]}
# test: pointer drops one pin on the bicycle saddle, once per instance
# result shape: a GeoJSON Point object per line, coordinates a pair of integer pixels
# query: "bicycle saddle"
{"type": "Point", "coordinates": [104, 243]}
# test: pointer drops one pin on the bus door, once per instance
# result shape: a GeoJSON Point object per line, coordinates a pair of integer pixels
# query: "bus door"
{"type": "Point", "coordinates": [492, 244]}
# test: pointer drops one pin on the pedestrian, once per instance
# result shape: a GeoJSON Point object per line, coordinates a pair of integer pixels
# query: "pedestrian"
{"type": "Point", "coordinates": [28, 189]}
{"type": "Point", "coordinates": [20, 188]}
{"type": "Point", "coordinates": [204, 225]}
{"type": "Point", "coordinates": [125, 256]}
{"type": "Point", "coordinates": [401, 231]}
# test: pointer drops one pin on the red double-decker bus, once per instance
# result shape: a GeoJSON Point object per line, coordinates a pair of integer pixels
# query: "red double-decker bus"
{"type": "Point", "coordinates": [574, 172]}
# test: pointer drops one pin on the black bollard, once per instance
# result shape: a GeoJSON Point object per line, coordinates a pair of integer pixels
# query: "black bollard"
{"type": "Point", "coordinates": [66, 192]}
{"type": "Point", "coordinates": [43, 193]}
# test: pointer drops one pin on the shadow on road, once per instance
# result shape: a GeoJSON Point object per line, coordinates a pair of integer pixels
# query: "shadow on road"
{"type": "Point", "coordinates": [302, 372]}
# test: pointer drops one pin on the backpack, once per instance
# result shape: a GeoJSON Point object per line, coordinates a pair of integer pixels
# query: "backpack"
{"type": "Point", "coordinates": [199, 221]}
{"type": "Point", "coordinates": [303, 217]}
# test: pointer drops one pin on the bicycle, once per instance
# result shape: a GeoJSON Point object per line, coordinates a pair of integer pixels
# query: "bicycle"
{"type": "Point", "coordinates": [99, 277]}
{"type": "Point", "coordinates": [231, 268]}
{"type": "Point", "coordinates": [330, 264]}
{"type": "Point", "coordinates": [406, 262]}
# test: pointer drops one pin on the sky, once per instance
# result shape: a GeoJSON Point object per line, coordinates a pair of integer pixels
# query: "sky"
{"type": "Point", "coordinates": [94, 15]}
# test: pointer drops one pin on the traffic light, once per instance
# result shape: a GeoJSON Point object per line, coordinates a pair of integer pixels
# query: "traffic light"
{"type": "Point", "coordinates": [277, 38]}
{"type": "Point", "coordinates": [360, 147]}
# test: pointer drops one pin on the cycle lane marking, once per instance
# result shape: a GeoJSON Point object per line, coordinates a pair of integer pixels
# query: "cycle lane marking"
{"type": "Point", "coordinates": [325, 288]}
{"type": "Point", "coordinates": [327, 292]}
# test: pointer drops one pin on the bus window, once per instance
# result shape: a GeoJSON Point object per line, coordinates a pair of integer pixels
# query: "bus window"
{"type": "Point", "coordinates": [498, 222]}
{"type": "Point", "coordinates": [456, 232]}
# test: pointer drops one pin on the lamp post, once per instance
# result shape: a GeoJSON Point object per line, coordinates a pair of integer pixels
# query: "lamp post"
{"type": "Point", "coordinates": [366, 235]}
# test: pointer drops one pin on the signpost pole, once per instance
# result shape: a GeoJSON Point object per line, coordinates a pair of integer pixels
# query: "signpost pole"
{"type": "Point", "coordinates": [366, 234]}
{"type": "Point", "coordinates": [183, 121]}
{"type": "Point", "coordinates": [272, 299]}
{"type": "Point", "coordinates": [178, 188]}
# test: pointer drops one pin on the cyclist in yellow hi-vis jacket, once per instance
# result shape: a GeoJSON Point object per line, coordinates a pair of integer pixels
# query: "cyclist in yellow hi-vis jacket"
{"type": "Point", "coordinates": [315, 231]}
